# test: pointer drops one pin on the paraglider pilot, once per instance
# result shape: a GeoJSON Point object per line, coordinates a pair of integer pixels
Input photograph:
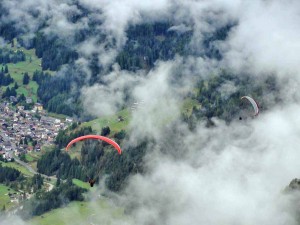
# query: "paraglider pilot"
{"type": "Point", "coordinates": [92, 182]}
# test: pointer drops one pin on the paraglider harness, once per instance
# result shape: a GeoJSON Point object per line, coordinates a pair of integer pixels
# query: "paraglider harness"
{"type": "Point", "coordinates": [92, 182]}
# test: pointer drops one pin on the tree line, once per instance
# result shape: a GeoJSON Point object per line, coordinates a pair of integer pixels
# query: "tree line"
{"type": "Point", "coordinates": [55, 91]}
{"type": "Point", "coordinates": [149, 42]}
{"type": "Point", "coordinates": [44, 201]}
{"type": "Point", "coordinates": [11, 56]}
{"type": "Point", "coordinates": [8, 174]}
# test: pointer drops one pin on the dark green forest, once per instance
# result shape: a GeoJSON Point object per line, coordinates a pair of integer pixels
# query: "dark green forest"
{"type": "Point", "coordinates": [14, 179]}
{"type": "Point", "coordinates": [149, 42]}
{"type": "Point", "coordinates": [55, 91]}
{"type": "Point", "coordinates": [10, 56]}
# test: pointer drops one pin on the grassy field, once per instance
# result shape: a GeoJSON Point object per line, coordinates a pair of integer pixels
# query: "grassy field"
{"type": "Point", "coordinates": [81, 184]}
{"type": "Point", "coordinates": [29, 158]}
{"type": "Point", "coordinates": [17, 70]}
{"type": "Point", "coordinates": [31, 64]}
{"type": "Point", "coordinates": [79, 213]}
{"type": "Point", "coordinates": [34, 155]}
{"type": "Point", "coordinates": [111, 121]}
{"type": "Point", "coordinates": [58, 116]}
{"type": "Point", "coordinates": [32, 158]}
{"type": "Point", "coordinates": [18, 167]}
{"type": "Point", "coordinates": [4, 198]}
{"type": "Point", "coordinates": [188, 105]}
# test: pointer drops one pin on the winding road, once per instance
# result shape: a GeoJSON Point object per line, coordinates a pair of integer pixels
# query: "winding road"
{"type": "Point", "coordinates": [31, 170]}
{"type": "Point", "coordinates": [26, 165]}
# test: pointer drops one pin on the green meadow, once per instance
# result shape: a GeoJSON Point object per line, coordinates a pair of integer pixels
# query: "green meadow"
{"type": "Point", "coordinates": [188, 105]}
{"type": "Point", "coordinates": [17, 70]}
{"type": "Point", "coordinates": [29, 158]}
{"type": "Point", "coordinates": [97, 211]}
{"type": "Point", "coordinates": [112, 121]}
{"type": "Point", "coordinates": [4, 198]}
{"type": "Point", "coordinates": [81, 184]}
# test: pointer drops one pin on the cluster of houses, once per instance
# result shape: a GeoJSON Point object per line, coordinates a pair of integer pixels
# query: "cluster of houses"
{"type": "Point", "coordinates": [18, 196]}
{"type": "Point", "coordinates": [33, 125]}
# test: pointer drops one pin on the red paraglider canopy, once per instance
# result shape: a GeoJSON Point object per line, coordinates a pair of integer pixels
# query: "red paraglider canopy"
{"type": "Point", "coordinates": [98, 137]}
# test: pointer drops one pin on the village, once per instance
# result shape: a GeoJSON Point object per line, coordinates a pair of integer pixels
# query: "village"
{"type": "Point", "coordinates": [23, 131]}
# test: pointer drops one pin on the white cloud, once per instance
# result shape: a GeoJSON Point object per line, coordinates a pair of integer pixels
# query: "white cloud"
{"type": "Point", "coordinates": [266, 39]}
{"type": "Point", "coordinates": [238, 178]}
{"type": "Point", "coordinates": [106, 99]}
